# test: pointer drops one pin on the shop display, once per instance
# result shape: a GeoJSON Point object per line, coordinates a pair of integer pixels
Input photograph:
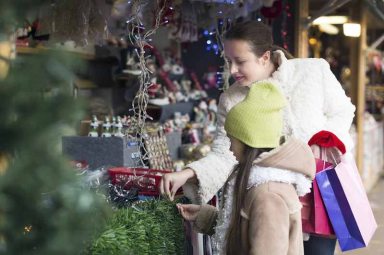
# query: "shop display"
{"type": "Point", "coordinates": [157, 151]}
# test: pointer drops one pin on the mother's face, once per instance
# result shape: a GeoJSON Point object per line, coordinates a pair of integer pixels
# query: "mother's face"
{"type": "Point", "coordinates": [245, 67]}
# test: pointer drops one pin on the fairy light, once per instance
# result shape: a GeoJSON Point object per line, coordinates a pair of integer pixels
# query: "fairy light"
{"type": "Point", "coordinates": [27, 229]}
{"type": "Point", "coordinates": [287, 14]}
{"type": "Point", "coordinates": [221, 29]}
{"type": "Point", "coordinates": [140, 102]}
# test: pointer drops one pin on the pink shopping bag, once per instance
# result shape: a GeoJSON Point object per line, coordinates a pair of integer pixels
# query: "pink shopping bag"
{"type": "Point", "coordinates": [314, 216]}
{"type": "Point", "coordinates": [347, 204]}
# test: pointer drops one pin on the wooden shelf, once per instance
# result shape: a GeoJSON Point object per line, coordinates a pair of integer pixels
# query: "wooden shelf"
{"type": "Point", "coordinates": [380, 88]}
{"type": "Point", "coordinates": [38, 50]}
{"type": "Point", "coordinates": [84, 84]}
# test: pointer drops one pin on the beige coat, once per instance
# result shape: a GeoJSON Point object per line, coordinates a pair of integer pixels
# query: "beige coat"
{"type": "Point", "coordinates": [271, 215]}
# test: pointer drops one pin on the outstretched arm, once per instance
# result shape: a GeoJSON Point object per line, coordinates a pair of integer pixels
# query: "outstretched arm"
{"type": "Point", "coordinates": [203, 178]}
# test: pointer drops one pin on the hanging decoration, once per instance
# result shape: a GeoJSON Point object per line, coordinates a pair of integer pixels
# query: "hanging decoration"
{"type": "Point", "coordinates": [140, 37]}
{"type": "Point", "coordinates": [211, 41]}
{"type": "Point", "coordinates": [221, 29]}
{"type": "Point", "coordinates": [184, 25]}
{"type": "Point", "coordinates": [287, 15]}
{"type": "Point", "coordinates": [223, 16]}
{"type": "Point", "coordinates": [272, 12]}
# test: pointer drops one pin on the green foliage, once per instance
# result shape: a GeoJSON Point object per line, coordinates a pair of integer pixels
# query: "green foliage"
{"type": "Point", "coordinates": [43, 210]}
{"type": "Point", "coordinates": [151, 227]}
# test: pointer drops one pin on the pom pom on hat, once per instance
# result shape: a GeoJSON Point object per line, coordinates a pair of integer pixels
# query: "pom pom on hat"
{"type": "Point", "coordinates": [257, 120]}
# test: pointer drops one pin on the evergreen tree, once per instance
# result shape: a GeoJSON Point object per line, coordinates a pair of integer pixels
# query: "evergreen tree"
{"type": "Point", "coordinates": [43, 210]}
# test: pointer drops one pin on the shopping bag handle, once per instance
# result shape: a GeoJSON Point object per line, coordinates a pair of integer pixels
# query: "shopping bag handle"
{"type": "Point", "coordinates": [327, 139]}
{"type": "Point", "coordinates": [324, 158]}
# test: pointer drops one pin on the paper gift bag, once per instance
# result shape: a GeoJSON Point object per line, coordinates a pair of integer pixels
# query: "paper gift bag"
{"type": "Point", "coordinates": [347, 204]}
{"type": "Point", "coordinates": [313, 213]}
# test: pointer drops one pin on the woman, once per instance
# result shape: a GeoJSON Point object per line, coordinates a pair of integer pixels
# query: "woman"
{"type": "Point", "coordinates": [316, 101]}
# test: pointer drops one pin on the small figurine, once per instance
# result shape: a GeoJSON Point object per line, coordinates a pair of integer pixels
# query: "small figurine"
{"type": "Point", "coordinates": [210, 80]}
{"type": "Point", "coordinates": [132, 65]}
{"type": "Point", "coordinates": [118, 128]}
{"type": "Point", "coordinates": [106, 128]}
{"type": "Point", "coordinates": [201, 113]}
{"type": "Point", "coordinates": [212, 115]}
{"type": "Point", "coordinates": [94, 127]}
{"type": "Point", "coordinates": [113, 125]}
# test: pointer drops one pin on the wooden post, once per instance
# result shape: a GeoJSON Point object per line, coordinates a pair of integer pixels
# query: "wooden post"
{"type": "Point", "coordinates": [358, 67]}
{"type": "Point", "coordinates": [301, 30]}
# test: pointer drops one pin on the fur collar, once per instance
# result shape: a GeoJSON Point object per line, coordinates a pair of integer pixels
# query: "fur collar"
{"type": "Point", "coordinates": [260, 175]}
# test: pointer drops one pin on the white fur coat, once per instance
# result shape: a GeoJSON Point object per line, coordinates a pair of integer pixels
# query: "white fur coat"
{"type": "Point", "coordinates": [316, 101]}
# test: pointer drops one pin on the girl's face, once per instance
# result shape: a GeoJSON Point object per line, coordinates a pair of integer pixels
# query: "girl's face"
{"type": "Point", "coordinates": [244, 65]}
{"type": "Point", "coordinates": [237, 148]}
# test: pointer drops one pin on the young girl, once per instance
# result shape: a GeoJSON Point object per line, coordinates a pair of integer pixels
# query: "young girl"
{"type": "Point", "coordinates": [260, 213]}
{"type": "Point", "coordinates": [316, 102]}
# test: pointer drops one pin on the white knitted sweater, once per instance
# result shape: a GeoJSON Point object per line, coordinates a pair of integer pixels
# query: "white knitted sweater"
{"type": "Point", "coordinates": [316, 101]}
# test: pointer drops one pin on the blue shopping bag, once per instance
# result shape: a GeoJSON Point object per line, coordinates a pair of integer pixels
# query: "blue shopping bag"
{"type": "Point", "coordinates": [347, 204]}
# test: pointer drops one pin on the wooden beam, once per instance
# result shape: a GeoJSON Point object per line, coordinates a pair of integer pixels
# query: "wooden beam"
{"type": "Point", "coordinates": [301, 30]}
{"type": "Point", "coordinates": [330, 6]}
{"type": "Point", "coordinates": [358, 67]}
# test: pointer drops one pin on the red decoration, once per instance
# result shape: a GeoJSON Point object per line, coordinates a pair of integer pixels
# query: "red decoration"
{"type": "Point", "coordinates": [327, 139]}
{"type": "Point", "coordinates": [168, 83]}
{"type": "Point", "coordinates": [273, 11]}
{"type": "Point", "coordinates": [196, 81]}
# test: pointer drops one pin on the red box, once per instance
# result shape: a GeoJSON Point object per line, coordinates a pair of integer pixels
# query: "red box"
{"type": "Point", "coordinates": [145, 179]}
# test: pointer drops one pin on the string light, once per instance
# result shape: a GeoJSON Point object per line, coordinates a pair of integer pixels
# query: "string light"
{"type": "Point", "coordinates": [210, 41]}
{"type": "Point", "coordinates": [221, 29]}
{"type": "Point", "coordinates": [287, 14]}
{"type": "Point", "coordinates": [27, 229]}
{"type": "Point", "coordinates": [140, 102]}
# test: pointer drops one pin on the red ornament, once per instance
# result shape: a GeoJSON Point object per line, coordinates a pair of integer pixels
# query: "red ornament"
{"type": "Point", "coordinates": [273, 11]}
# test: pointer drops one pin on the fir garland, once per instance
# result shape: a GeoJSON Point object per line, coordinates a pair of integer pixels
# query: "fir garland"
{"type": "Point", "coordinates": [150, 227]}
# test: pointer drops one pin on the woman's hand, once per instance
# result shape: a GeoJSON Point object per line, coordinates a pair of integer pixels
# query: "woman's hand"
{"type": "Point", "coordinates": [171, 182]}
{"type": "Point", "coordinates": [331, 155]}
{"type": "Point", "coordinates": [189, 211]}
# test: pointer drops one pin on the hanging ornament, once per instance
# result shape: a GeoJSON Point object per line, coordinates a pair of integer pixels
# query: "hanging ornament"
{"type": "Point", "coordinates": [272, 12]}
{"type": "Point", "coordinates": [287, 14]}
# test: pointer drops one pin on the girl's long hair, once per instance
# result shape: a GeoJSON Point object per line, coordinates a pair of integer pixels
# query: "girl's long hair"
{"type": "Point", "coordinates": [242, 172]}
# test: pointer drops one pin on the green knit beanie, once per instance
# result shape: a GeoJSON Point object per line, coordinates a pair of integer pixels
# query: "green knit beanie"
{"type": "Point", "coordinates": [257, 120]}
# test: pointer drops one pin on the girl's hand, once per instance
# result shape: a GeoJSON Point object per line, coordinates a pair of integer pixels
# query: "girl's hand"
{"type": "Point", "coordinates": [171, 182]}
{"type": "Point", "coordinates": [188, 211]}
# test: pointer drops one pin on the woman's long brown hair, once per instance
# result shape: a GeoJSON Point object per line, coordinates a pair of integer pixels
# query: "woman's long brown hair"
{"type": "Point", "coordinates": [242, 172]}
{"type": "Point", "coordinates": [258, 35]}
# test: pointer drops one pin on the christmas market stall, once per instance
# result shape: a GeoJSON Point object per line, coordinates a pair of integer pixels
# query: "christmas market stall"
{"type": "Point", "coordinates": [100, 98]}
